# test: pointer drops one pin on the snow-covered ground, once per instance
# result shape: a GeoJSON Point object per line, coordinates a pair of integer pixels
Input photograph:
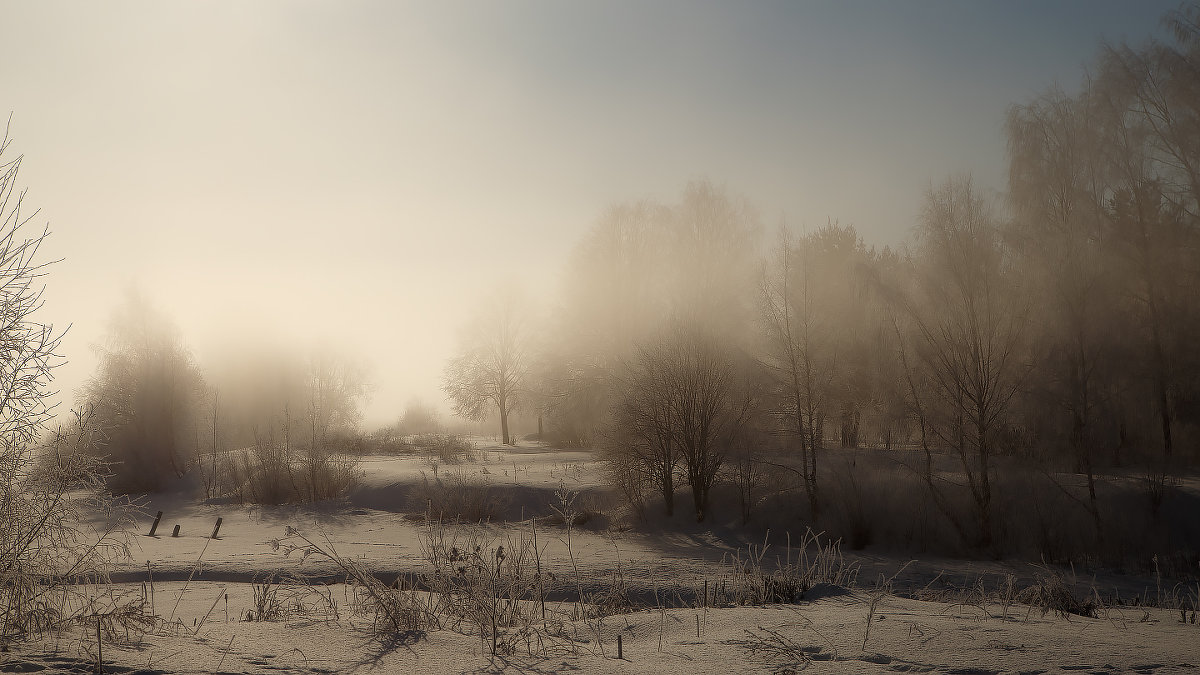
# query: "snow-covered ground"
{"type": "Point", "coordinates": [829, 635]}
{"type": "Point", "coordinates": [202, 590]}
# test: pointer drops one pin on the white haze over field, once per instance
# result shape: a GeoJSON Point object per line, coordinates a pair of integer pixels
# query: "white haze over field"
{"type": "Point", "coordinates": [360, 174]}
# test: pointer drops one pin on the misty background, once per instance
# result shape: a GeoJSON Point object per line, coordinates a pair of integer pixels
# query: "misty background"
{"type": "Point", "coordinates": [282, 177]}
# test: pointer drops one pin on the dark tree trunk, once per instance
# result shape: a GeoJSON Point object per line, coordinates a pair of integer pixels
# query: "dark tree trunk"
{"type": "Point", "coordinates": [850, 423]}
{"type": "Point", "coordinates": [1122, 439]}
{"type": "Point", "coordinates": [700, 500]}
{"type": "Point", "coordinates": [985, 486]}
{"type": "Point", "coordinates": [1077, 441]}
{"type": "Point", "coordinates": [668, 493]}
{"type": "Point", "coordinates": [1166, 417]}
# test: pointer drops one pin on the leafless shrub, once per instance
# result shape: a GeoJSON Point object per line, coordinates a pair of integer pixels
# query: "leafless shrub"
{"type": "Point", "coordinates": [447, 448]}
{"type": "Point", "coordinates": [628, 476]}
{"type": "Point", "coordinates": [265, 474]}
{"type": "Point", "coordinates": [46, 543]}
{"type": "Point", "coordinates": [328, 475]}
{"type": "Point", "coordinates": [388, 441]}
{"type": "Point", "coordinates": [456, 496]}
{"type": "Point", "coordinates": [496, 585]}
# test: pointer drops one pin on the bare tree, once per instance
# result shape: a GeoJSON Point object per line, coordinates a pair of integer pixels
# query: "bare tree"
{"type": "Point", "coordinates": [48, 494]}
{"type": "Point", "coordinates": [967, 322]}
{"type": "Point", "coordinates": [712, 407]}
{"type": "Point", "coordinates": [493, 365]}
{"type": "Point", "coordinates": [1058, 237]}
{"type": "Point", "coordinates": [29, 346]}
{"type": "Point", "coordinates": [335, 388]}
{"type": "Point", "coordinates": [816, 314]}
{"type": "Point", "coordinates": [686, 403]}
{"type": "Point", "coordinates": [800, 356]}
{"type": "Point", "coordinates": [1147, 101]}
{"type": "Point", "coordinates": [209, 467]}
{"type": "Point", "coordinates": [643, 431]}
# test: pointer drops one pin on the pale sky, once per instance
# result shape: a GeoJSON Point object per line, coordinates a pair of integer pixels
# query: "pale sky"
{"type": "Point", "coordinates": [359, 174]}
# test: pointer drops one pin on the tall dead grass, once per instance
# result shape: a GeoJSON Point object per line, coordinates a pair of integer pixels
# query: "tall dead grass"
{"type": "Point", "coordinates": [751, 579]}
{"type": "Point", "coordinates": [458, 496]}
{"type": "Point", "coordinates": [393, 610]}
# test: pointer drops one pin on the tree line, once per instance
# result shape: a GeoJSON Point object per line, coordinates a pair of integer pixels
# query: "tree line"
{"type": "Point", "coordinates": [260, 425]}
{"type": "Point", "coordinates": [1055, 325]}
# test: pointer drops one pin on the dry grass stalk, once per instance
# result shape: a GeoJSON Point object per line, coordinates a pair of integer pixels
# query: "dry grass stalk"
{"type": "Point", "coordinates": [393, 611]}
{"type": "Point", "coordinates": [814, 562]}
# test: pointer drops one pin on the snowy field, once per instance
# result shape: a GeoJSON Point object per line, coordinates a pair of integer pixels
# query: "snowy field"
{"type": "Point", "coordinates": [678, 614]}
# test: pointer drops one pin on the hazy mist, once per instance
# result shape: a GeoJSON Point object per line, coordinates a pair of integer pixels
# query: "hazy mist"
{"type": "Point", "coordinates": [280, 178]}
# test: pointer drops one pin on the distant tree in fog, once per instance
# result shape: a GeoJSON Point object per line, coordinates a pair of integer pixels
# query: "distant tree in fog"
{"type": "Point", "coordinates": [335, 387]}
{"type": "Point", "coordinates": [419, 418]}
{"type": "Point", "coordinates": [145, 396]}
{"type": "Point", "coordinates": [493, 364]}
{"type": "Point", "coordinates": [710, 260]}
{"type": "Point", "coordinates": [813, 304]}
{"type": "Point", "coordinates": [282, 425]}
{"type": "Point", "coordinates": [615, 297]}
{"type": "Point", "coordinates": [642, 265]}
{"type": "Point", "coordinates": [1105, 188]}
{"type": "Point", "coordinates": [1148, 129]}
{"type": "Point", "coordinates": [1058, 237]}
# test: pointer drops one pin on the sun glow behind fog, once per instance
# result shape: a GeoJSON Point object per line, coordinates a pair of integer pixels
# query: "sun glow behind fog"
{"type": "Point", "coordinates": [360, 174]}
